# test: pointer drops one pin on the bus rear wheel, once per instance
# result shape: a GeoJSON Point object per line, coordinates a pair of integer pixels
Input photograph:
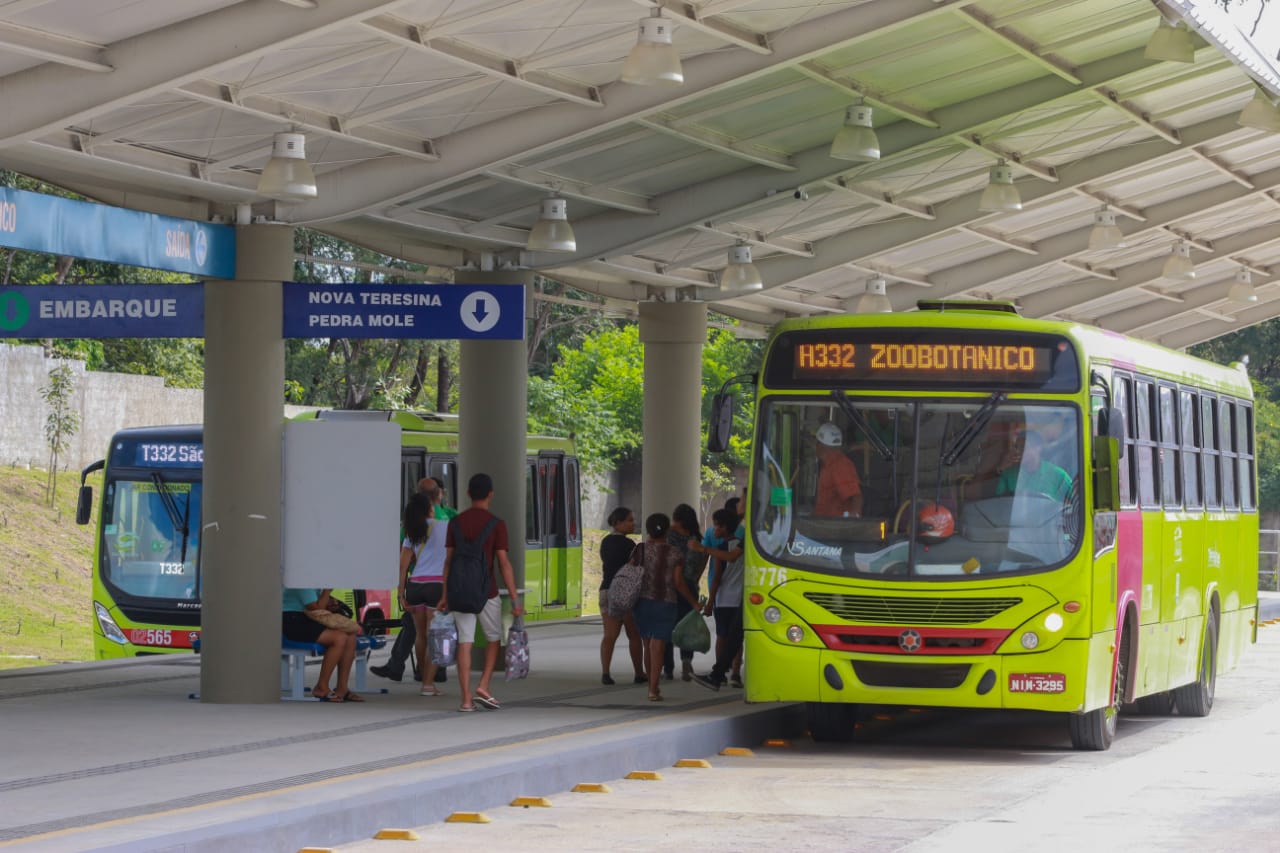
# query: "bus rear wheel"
{"type": "Point", "coordinates": [831, 722]}
{"type": "Point", "coordinates": [1196, 699]}
{"type": "Point", "coordinates": [1096, 729]}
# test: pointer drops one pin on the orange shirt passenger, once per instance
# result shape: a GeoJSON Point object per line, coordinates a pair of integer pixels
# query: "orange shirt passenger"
{"type": "Point", "coordinates": [839, 491]}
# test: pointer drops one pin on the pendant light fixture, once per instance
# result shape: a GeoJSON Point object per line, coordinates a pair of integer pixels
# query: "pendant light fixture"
{"type": "Point", "coordinates": [1261, 113]}
{"type": "Point", "coordinates": [287, 175]}
{"type": "Point", "coordinates": [874, 301]}
{"type": "Point", "coordinates": [1000, 193]}
{"type": "Point", "coordinates": [654, 60]}
{"type": "Point", "coordinates": [552, 232]}
{"type": "Point", "coordinates": [857, 139]}
{"type": "Point", "coordinates": [1242, 290]}
{"type": "Point", "coordinates": [740, 274]}
{"type": "Point", "coordinates": [1105, 234]}
{"type": "Point", "coordinates": [1170, 43]}
{"type": "Point", "coordinates": [1179, 264]}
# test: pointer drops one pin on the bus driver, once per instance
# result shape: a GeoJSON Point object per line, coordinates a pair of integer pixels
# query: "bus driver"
{"type": "Point", "coordinates": [839, 492]}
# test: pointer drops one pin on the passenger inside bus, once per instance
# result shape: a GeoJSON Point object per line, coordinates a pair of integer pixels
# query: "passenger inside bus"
{"type": "Point", "coordinates": [839, 491]}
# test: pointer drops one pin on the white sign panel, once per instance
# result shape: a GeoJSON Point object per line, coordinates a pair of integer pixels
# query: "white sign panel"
{"type": "Point", "coordinates": [341, 504]}
{"type": "Point", "coordinates": [1248, 31]}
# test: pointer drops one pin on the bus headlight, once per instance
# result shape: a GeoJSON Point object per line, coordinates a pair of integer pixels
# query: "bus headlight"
{"type": "Point", "coordinates": [110, 629]}
{"type": "Point", "coordinates": [795, 633]}
{"type": "Point", "coordinates": [1053, 622]}
{"type": "Point", "coordinates": [772, 614]}
{"type": "Point", "coordinates": [1030, 640]}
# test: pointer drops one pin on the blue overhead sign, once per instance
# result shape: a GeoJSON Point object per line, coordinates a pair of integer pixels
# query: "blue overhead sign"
{"type": "Point", "coordinates": [102, 311]}
{"type": "Point", "coordinates": [434, 311]}
{"type": "Point", "coordinates": [100, 232]}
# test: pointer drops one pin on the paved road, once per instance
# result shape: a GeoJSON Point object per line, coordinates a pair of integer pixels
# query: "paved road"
{"type": "Point", "coordinates": [931, 782]}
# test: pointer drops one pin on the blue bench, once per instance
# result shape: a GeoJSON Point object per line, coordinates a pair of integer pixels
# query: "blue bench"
{"type": "Point", "coordinates": [293, 665]}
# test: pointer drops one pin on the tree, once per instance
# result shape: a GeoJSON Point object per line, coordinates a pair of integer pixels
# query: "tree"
{"type": "Point", "coordinates": [61, 423]}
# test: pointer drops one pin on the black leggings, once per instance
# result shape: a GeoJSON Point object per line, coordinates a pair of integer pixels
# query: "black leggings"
{"type": "Point", "coordinates": [669, 658]}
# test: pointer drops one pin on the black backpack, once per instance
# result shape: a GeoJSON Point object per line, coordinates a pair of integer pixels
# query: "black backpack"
{"type": "Point", "coordinates": [469, 571]}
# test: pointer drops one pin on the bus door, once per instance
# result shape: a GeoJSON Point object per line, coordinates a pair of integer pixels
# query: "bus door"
{"type": "Point", "coordinates": [445, 469]}
{"type": "Point", "coordinates": [555, 530]}
{"type": "Point", "coordinates": [535, 554]}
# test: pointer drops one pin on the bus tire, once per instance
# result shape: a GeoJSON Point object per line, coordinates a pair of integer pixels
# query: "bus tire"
{"type": "Point", "coordinates": [831, 722]}
{"type": "Point", "coordinates": [1096, 729]}
{"type": "Point", "coordinates": [1196, 699]}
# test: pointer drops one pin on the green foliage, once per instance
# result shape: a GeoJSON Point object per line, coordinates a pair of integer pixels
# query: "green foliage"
{"type": "Point", "coordinates": [1266, 421]}
{"type": "Point", "coordinates": [60, 423]}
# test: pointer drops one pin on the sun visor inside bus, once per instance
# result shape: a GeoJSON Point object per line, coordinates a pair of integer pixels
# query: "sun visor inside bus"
{"type": "Point", "coordinates": [341, 503]}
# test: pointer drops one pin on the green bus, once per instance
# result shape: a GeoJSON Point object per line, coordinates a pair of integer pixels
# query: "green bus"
{"type": "Point", "coordinates": [1043, 515]}
{"type": "Point", "coordinates": [147, 568]}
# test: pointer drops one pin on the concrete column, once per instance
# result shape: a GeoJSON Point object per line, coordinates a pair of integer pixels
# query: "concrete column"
{"type": "Point", "coordinates": [243, 425]}
{"type": "Point", "coordinates": [671, 463]}
{"type": "Point", "coordinates": [493, 405]}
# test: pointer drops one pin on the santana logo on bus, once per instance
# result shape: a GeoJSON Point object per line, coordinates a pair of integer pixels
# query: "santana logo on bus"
{"type": "Point", "coordinates": [926, 357]}
{"type": "Point", "coordinates": [1037, 682]}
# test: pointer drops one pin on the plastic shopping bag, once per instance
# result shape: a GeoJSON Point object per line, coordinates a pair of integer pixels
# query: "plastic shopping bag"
{"type": "Point", "coordinates": [442, 640]}
{"type": "Point", "coordinates": [517, 650]}
{"type": "Point", "coordinates": [692, 633]}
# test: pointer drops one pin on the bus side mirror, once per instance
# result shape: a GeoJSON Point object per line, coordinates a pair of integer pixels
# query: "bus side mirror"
{"type": "Point", "coordinates": [1106, 474]}
{"type": "Point", "coordinates": [721, 425]}
{"type": "Point", "coordinates": [84, 504]}
{"type": "Point", "coordinates": [1115, 428]}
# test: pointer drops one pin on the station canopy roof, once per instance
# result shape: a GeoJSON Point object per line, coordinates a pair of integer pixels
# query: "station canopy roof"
{"type": "Point", "coordinates": [437, 127]}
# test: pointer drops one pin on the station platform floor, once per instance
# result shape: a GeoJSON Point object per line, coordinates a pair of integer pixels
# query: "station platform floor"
{"type": "Point", "coordinates": [115, 756]}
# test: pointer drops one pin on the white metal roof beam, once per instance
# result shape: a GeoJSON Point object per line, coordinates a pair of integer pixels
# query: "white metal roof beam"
{"type": "Point", "coordinates": [654, 272]}
{"type": "Point", "coordinates": [372, 184]}
{"type": "Point", "coordinates": [471, 20]}
{"type": "Point", "coordinates": [45, 99]}
{"type": "Point", "coordinates": [716, 141]}
{"type": "Point", "coordinates": [499, 67]}
{"type": "Point", "coordinates": [882, 199]}
{"type": "Point", "coordinates": [854, 89]}
{"type": "Point", "coordinates": [1024, 246]}
{"type": "Point", "coordinates": [455, 227]}
{"type": "Point", "coordinates": [1071, 298]}
{"type": "Point", "coordinates": [397, 108]}
{"type": "Point", "coordinates": [540, 179]}
{"type": "Point", "coordinates": [1238, 177]}
{"type": "Point", "coordinates": [1013, 158]}
{"type": "Point", "coordinates": [1019, 44]}
{"type": "Point", "coordinates": [1112, 98]}
{"type": "Point", "coordinates": [785, 245]}
{"type": "Point", "coordinates": [688, 15]}
{"type": "Point", "coordinates": [1265, 310]}
{"type": "Point", "coordinates": [999, 268]}
{"type": "Point", "coordinates": [1136, 214]}
{"type": "Point", "coordinates": [1134, 321]}
{"type": "Point", "coordinates": [276, 82]}
{"type": "Point", "coordinates": [303, 118]}
{"type": "Point", "coordinates": [51, 48]}
{"type": "Point", "coordinates": [18, 7]}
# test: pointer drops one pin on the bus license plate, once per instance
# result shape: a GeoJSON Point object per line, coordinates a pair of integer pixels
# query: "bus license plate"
{"type": "Point", "coordinates": [161, 637]}
{"type": "Point", "coordinates": [1037, 682]}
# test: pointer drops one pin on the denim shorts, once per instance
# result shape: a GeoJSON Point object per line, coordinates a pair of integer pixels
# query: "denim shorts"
{"type": "Point", "coordinates": [655, 619]}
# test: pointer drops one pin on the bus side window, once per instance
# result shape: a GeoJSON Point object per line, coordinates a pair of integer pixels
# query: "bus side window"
{"type": "Point", "coordinates": [1170, 455]}
{"type": "Point", "coordinates": [1189, 424]}
{"type": "Point", "coordinates": [1209, 451]}
{"type": "Point", "coordinates": [1123, 400]}
{"type": "Point", "coordinates": [1244, 446]}
{"type": "Point", "coordinates": [532, 529]}
{"type": "Point", "coordinates": [1147, 452]}
{"type": "Point", "coordinates": [1227, 435]}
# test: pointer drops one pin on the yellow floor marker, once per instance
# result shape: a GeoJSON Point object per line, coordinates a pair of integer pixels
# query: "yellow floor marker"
{"type": "Point", "coordinates": [540, 802]}
{"type": "Point", "coordinates": [592, 788]}
{"type": "Point", "coordinates": [467, 817]}
{"type": "Point", "coordinates": [693, 762]}
{"type": "Point", "coordinates": [645, 775]}
{"type": "Point", "coordinates": [396, 835]}
{"type": "Point", "coordinates": [316, 850]}
{"type": "Point", "coordinates": [777, 741]}
{"type": "Point", "coordinates": [739, 751]}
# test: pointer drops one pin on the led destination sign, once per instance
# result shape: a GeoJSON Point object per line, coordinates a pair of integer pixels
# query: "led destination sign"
{"type": "Point", "coordinates": [915, 358]}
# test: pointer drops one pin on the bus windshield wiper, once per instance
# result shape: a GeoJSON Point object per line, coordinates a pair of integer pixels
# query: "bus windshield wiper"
{"type": "Point", "coordinates": [178, 520]}
{"type": "Point", "coordinates": [972, 429]}
{"type": "Point", "coordinates": [860, 421]}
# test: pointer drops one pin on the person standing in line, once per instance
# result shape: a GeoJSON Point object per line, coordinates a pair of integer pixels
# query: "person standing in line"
{"type": "Point", "coordinates": [726, 602]}
{"type": "Point", "coordinates": [469, 524]}
{"type": "Point", "coordinates": [421, 578]}
{"type": "Point", "coordinates": [407, 639]}
{"type": "Point", "coordinates": [615, 551]}
{"type": "Point", "coordinates": [662, 582]}
{"type": "Point", "coordinates": [685, 530]}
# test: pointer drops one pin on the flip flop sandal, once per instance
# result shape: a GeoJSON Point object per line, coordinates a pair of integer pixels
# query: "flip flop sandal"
{"type": "Point", "coordinates": [431, 691]}
{"type": "Point", "coordinates": [352, 697]}
{"type": "Point", "coordinates": [467, 709]}
{"type": "Point", "coordinates": [655, 697]}
{"type": "Point", "coordinates": [325, 697]}
{"type": "Point", "coordinates": [488, 702]}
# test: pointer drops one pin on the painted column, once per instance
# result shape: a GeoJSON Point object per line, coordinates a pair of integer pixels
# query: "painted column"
{"type": "Point", "coordinates": [243, 426]}
{"type": "Point", "coordinates": [493, 405]}
{"type": "Point", "coordinates": [671, 464]}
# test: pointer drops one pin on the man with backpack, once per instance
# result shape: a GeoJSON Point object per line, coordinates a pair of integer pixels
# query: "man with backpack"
{"type": "Point", "coordinates": [477, 541]}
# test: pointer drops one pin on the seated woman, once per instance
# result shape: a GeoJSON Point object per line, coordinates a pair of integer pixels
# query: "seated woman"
{"type": "Point", "coordinates": [339, 647]}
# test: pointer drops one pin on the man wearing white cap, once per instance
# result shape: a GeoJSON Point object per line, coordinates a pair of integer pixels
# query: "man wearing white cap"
{"type": "Point", "coordinates": [839, 489]}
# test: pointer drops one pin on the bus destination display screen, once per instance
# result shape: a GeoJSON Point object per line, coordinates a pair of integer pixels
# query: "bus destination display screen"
{"type": "Point", "coordinates": [922, 358]}
{"type": "Point", "coordinates": [158, 454]}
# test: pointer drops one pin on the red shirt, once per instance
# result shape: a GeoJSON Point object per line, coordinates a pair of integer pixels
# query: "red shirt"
{"type": "Point", "coordinates": [838, 484]}
{"type": "Point", "coordinates": [471, 523]}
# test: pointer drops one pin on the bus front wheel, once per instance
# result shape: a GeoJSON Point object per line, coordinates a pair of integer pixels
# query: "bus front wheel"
{"type": "Point", "coordinates": [1096, 729]}
{"type": "Point", "coordinates": [1196, 699]}
{"type": "Point", "coordinates": [831, 722]}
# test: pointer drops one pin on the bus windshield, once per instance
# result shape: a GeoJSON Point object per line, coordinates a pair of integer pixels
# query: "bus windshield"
{"type": "Point", "coordinates": [918, 489]}
{"type": "Point", "coordinates": [150, 537]}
